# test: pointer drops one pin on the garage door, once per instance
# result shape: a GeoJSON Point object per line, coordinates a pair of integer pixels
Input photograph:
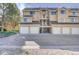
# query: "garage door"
{"type": "Point", "coordinates": [34, 30]}
{"type": "Point", "coordinates": [65, 30]}
{"type": "Point", "coordinates": [56, 30]}
{"type": "Point", "coordinates": [24, 30]}
{"type": "Point", "coordinates": [75, 30]}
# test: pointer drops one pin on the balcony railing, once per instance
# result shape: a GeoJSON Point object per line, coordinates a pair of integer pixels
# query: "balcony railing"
{"type": "Point", "coordinates": [68, 20]}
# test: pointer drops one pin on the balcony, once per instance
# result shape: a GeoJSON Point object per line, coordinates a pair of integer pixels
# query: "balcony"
{"type": "Point", "coordinates": [69, 20]}
{"type": "Point", "coordinates": [43, 18]}
{"type": "Point", "coordinates": [26, 20]}
{"type": "Point", "coordinates": [74, 14]}
{"type": "Point", "coordinates": [73, 20]}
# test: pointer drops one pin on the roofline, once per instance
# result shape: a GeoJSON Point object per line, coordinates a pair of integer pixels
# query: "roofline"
{"type": "Point", "coordinates": [37, 8]}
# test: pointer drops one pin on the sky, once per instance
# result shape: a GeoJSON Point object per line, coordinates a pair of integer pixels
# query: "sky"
{"type": "Point", "coordinates": [45, 5]}
{"type": "Point", "coordinates": [21, 6]}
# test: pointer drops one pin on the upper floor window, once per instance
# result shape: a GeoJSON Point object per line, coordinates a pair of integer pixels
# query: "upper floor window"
{"type": "Point", "coordinates": [74, 13]}
{"type": "Point", "coordinates": [32, 12]}
{"type": "Point", "coordinates": [43, 10]}
{"type": "Point", "coordinates": [27, 19]}
{"type": "Point", "coordinates": [43, 15]}
{"type": "Point", "coordinates": [73, 20]}
{"type": "Point", "coordinates": [63, 11]}
{"type": "Point", "coordinates": [74, 10]}
{"type": "Point", "coordinates": [53, 12]}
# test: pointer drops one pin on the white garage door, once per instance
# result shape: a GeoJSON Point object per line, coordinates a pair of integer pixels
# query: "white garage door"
{"type": "Point", "coordinates": [75, 30]}
{"type": "Point", "coordinates": [65, 30]}
{"type": "Point", "coordinates": [24, 30]}
{"type": "Point", "coordinates": [34, 30]}
{"type": "Point", "coordinates": [56, 30]}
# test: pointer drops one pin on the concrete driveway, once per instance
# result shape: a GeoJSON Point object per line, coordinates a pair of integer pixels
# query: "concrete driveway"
{"type": "Point", "coordinates": [11, 45]}
{"type": "Point", "coordinates": [66, 42]}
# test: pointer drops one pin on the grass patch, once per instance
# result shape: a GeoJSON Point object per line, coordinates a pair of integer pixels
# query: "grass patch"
{"type": "Point", "coordinates": [6, 34]}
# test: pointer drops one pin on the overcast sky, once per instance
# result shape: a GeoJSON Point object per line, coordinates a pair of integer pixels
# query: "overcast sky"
{"type": "Point", "coordinates": [49, 5]}
{"type": "Point", "coordinates": [46, 5]}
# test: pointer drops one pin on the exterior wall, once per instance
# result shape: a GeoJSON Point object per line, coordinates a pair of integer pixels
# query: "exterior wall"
{"type": "Point", "coordinates": [62, 17]}
{"type": "Point", "coordinates": [26, 13]}
{"type": "Point", "coordinates": [52, 17]}
{"type": "Point", "coordinates": [36, 16]}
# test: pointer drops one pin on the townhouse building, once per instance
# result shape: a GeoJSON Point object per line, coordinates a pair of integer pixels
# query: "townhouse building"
{"type": "Point", "coordinates": [50, 20]}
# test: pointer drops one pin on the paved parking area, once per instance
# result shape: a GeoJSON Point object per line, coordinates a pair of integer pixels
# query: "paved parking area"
{"type": "Point", "coordinates": [66, 42]}
{"type": "Point", "coordinates": [12, 45]}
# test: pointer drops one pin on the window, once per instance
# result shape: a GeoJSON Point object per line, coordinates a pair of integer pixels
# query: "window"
{"type": "Point", "coordinates": [53, 12]}
{"type": "Point", "coordinates": [43, 15]}
{"type": "Point", "coordinates": [44, 10]}
{"type": "Point", "coordinates": [74, 13]}
{"type": "Point", "coordinates": [62, 20]}
{"type": "Point", "coordinates": [63, 12]}
{"type": "Point", "coordinates": [25, 19]}
{"type": "Point", "coordinates": [32, 12]}
{"type": "Point", "coordinates": [74, 20]}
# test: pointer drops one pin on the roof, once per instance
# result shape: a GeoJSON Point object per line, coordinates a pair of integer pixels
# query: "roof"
{"type": "Point", "coordinates": [38, 8]}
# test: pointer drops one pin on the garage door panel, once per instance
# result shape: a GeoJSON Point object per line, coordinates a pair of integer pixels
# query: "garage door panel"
{"type": "Point", "coordinates": [24, 30]}
{"type": "Point", "coordinates": [65, 30]}
{"type": "Point", "coordinates": [75, 30]}
{"type": "Point", "coordinates": [34, 30]}
{"type": "Point", "coordinates": [56, 30]}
